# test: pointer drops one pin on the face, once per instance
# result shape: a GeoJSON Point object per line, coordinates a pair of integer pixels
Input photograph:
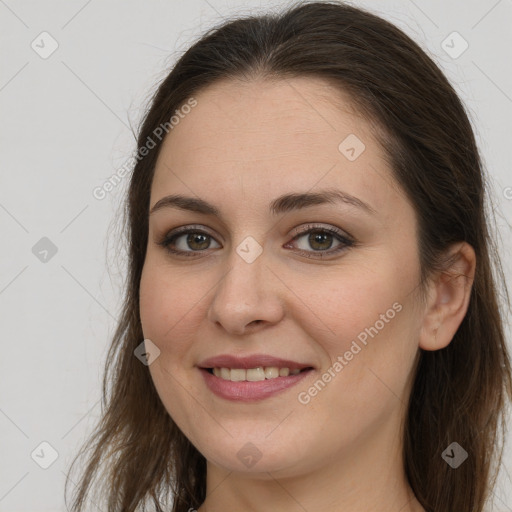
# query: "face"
{"type": "Point", "coordinates": [328, 287]}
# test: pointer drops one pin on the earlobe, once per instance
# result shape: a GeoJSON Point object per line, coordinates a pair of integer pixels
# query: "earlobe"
{"type": "Point", "coordinates": [449, 296]}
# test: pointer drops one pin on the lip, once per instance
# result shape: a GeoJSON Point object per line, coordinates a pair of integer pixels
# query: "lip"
{"type": "Point", "coordinates": [246, 391]}
{"type": "Point", "coordinates": [252, 361]}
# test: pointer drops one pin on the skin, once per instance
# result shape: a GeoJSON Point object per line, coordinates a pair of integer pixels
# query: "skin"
{"type": "Point", "coordinates": [244, 144]}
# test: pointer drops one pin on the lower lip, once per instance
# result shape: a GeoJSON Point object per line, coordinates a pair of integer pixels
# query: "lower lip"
{"type": "Point", "coordinates": [245, 391]}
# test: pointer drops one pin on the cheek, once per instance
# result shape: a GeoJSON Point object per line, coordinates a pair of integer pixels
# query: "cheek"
{"type": "Point", "coordinates": [167, 310]}
{"type": "Point", "coordinates": [166, 301]}
{"type": "Point", "coordinates": [349, 300]}
{"type": "Point", "coordinates": [367, 318]}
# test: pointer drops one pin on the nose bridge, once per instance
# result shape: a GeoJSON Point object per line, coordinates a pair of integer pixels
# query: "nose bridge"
{"type": "Point", "coordinates": [246, 293]}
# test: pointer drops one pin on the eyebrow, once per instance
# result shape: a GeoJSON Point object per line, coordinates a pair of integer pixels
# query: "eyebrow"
{"type": "Point", "coordinates": [282, 204]}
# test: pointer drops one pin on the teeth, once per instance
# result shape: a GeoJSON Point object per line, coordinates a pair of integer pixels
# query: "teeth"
{"type": "Point", "coordinates": [253, 374]}
{"type": "Point", "coordinates": [271, 372]}
{"type": "Point", "coordinates": [238, 374]}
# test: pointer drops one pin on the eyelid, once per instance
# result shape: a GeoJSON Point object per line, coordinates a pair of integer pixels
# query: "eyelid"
{"type": "Point", "coordinates": [345, 240]}
{"type": "Point", "coordinates": [301, 230]}
{"type": "Point", "coordinates": [168, 235]}
{"type": "Point", "coordinates": [329, 228]}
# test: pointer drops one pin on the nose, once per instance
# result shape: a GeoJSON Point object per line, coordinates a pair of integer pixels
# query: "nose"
{"type": "Point", "coordinates": [249, 295]}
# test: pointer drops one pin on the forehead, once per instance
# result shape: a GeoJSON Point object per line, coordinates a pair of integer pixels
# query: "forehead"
{"type": "Point", "coordinates": [268, 137]}
{"type": "Point", "coordinates": [268, 112]}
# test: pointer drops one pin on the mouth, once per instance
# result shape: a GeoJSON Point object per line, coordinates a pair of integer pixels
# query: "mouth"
{"type": "Point", "coordinates": [253, 377]}
{"type": "Point", "coordinates": [256, 374]}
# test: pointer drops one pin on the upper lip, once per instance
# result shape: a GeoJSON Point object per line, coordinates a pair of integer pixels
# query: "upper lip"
{"type": "Point", "coordinates": [252, 361]}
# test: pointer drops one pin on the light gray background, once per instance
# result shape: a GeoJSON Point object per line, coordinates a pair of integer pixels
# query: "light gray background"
{"type": "Point", "coordinates": [65, 128]}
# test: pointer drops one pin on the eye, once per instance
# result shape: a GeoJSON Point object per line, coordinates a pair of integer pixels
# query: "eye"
{"type": "Point", "coordinates": [188, 241]}
{"type": "Point", "coordinates": [185, 239]}
{"type": "Point", "coordinates": [321, 240]}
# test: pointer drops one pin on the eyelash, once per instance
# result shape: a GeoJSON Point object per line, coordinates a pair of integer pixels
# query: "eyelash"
{"type": "Point", "coordinates": [346, 242]}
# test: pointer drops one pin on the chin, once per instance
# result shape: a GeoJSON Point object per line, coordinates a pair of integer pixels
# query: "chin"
{"type": "Point", "coordinates": [255, 457]}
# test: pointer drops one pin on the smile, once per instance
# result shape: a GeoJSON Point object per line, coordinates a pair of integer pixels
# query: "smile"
{"type": "Point", "coordinates": [239, 388]}
{"type": "Point", "coordinates": [251, 377]}
{"type": "Point", "coordinates": [253, 374]}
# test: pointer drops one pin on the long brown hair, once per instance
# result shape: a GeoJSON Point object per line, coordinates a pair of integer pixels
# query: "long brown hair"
{"type": "Point", "coordinates": [460, 392]}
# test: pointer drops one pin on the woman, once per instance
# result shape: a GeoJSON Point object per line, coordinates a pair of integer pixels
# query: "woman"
{"type": "Point", "coordinates": [312, 275]}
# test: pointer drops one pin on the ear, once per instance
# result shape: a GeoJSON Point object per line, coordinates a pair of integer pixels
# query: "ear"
{"type": "Point", "coordinates": [448, 298]}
